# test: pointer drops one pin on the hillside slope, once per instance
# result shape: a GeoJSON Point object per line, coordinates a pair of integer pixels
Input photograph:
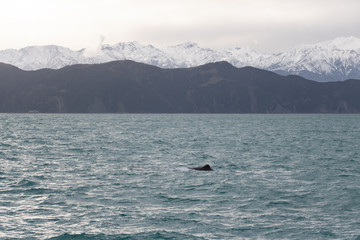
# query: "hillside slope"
{"type": "Point", "coordinates": [130, 87]}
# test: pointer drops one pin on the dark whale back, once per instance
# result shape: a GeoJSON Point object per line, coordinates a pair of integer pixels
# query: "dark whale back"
{"type": "Point", "coordinates": [204, 168]}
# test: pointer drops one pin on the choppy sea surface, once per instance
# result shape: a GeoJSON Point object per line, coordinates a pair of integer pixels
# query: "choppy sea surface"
{"type": "Point", "coordinates": [124, 176]}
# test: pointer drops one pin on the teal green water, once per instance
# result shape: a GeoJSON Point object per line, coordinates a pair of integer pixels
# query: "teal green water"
{"type": "Point", "coordinates": [126, 176]}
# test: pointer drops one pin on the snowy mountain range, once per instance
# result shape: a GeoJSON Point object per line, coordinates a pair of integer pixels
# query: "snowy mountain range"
{"type": "Point", "coordinates": [334, 60]}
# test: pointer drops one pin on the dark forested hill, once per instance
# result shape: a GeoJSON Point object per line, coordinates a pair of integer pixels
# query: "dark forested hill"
{"type": "Point", "coordinates": [130, 87]}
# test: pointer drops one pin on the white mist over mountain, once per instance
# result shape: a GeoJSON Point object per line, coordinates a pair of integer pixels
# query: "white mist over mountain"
{"type": "Point", "coordinates": [333, 60]}
{"type": "Point", "coordinates": [95, 48]}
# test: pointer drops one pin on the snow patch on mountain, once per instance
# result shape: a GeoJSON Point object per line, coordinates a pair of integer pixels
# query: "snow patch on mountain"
{"type": "Point", "coordinates": [334, 60]}
{"type": "Point", "coordinates": [37, 57]}
{"type": "Point", "coordinates": [338, 59]}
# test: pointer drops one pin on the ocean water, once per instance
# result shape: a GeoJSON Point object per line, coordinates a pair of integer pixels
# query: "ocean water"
{"type": "Point", "coordinates": [124, 176]}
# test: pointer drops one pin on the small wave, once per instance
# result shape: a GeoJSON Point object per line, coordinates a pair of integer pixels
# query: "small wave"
{"type": "Point", "coordinates": [39, 191]}
{"type": "Point", "coordinates": [26, 183]}
{"type": "Point", "coordinates": [166, 198]}
{"type": "Point", "coordinates": [171, 169]}
{"type": "Point", "coordinates": [182, 169]}
{"type": "Point", "coordinates": [143, 235]}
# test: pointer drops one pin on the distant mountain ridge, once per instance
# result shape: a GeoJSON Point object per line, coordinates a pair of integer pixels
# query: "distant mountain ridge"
{"type": "Point", "coordinates": [334, 60]}
{"type": "Point", "coordinates": [131, 87]}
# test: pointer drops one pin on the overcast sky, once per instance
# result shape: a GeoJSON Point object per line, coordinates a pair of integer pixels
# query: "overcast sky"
{"type": "Point", "coordinates": [264, 25]}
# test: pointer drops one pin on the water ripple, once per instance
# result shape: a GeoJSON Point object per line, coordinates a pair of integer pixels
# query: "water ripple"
{"type": "Point", "coordinates": [127, 176]}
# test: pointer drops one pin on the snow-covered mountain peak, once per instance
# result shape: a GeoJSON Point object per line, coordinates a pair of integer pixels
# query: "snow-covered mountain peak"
{"type": "Point", "coordinates": [345, 43]}
{"type": "Point", "coordinates": [122, 45]}
{"type": "Point", "coordinates": [340, 43]}
{"type": "Point", "coordinates": [36, 57]}
{"type": "Point", "coordinates": [185, 45]}
{"type": "Point", "coordinates": [336, 59]}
